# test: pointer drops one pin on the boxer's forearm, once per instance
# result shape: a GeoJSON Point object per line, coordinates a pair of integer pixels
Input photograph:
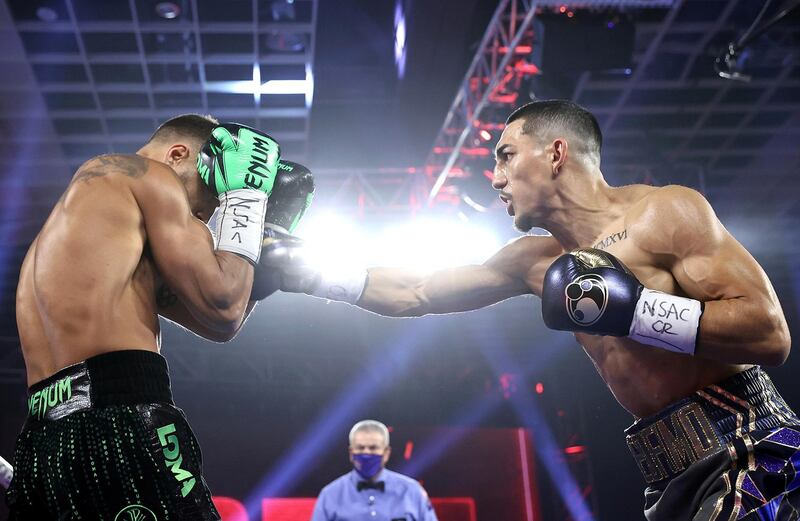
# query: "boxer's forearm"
{"type": "Point", "coordinates": [743, 331]}
{"type": "Point", "coordinates": [218, 329]}
{"type": "Point", "coordinates": [394, 292]}
{"type": "Point", "coordinates": [222, 292]}
{"type": "Point", "coordinates": [398, 292]}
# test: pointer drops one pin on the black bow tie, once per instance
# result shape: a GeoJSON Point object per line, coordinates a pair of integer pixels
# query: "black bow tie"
{"type": "Point", "coordinates": [377, 485]}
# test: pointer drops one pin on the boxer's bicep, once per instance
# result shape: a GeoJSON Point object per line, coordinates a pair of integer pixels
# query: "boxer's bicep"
{"type": "Point", "coordinates": [707, 262]}
{"type": "Point", "coordinates": [742, 320]}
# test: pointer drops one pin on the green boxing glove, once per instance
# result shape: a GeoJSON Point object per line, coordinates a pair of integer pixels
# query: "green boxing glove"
{"type": "Point", "coordinates": [238, 164]}
{"type": "Point", "coordinates": [238, 157]}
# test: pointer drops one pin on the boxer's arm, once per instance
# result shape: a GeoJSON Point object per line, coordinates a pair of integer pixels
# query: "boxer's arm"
{"type": "Point", "coordinates": [171, 308]}
{"type": "Point", "coordinates": [213, 285]}
{"type": "Point", "coordinates": [742, 322]}
{"type": "Point", "coordinates": [517, 269]}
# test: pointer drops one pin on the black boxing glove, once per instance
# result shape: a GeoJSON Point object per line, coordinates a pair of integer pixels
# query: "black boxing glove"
{"type": "Point", "coordinates": [591, 291]}
{"type": "Point", "coordinates": [291, 196]}
{"type": "Point", "coordinates": [292, 193]}
{"type": "Point", "coordinates": [268, 277]}
{"type": "Point", "coordinates": [285, 265]}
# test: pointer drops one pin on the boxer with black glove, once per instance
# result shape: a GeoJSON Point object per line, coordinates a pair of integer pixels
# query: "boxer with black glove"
{"type": "Point", "coordinates": [702, 420]}
{"type": "Point", "coordinates": [291, 197]}
{"type": "Point", "coordinates": [591, 291]}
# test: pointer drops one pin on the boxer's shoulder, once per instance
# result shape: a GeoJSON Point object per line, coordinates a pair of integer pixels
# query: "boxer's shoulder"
{"type": "Point", "coordinates": [128, 165]}
{"type": "Point", "coordinates": [670, 218]}
{"type": "Point", "coordinates": [675, 200]}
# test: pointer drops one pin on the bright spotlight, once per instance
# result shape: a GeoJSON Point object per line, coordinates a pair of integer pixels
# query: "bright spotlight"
{"type": "Point", "coordinates": [430, 244]}
{"type": "Point", "coordinates": [333, 242]}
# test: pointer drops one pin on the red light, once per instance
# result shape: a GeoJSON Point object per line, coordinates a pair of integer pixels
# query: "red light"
{"type": "Point", "coordinates": [479, 152]}
{"type": "Point", "coordinates": [539, 388]}
{"type": "Point", "coordinates": [230, 509]}
{"type": "Point", "coordinates": [485, 135]}
{"type": "Point", "coordinates": [519, 49]}
{"type": "Point", "coordinates": [562, 9]}
{"type": "Point", "coordinates": [575, 449]}
{"type": "Point", "coordinates": [508, 384]}
{"type": "Point", "coordinates": [409, 449]}
{"type": "Point", "coordinates": [570, 14]}
{"type": "Point", "coordinates": [287, 509]}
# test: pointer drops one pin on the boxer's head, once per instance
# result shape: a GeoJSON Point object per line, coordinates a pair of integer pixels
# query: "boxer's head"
{"type": "Point", "coordinates": [176, 143]}
{"type": "Point", "coordinates": [543, 145]}
{"type": "Point", "coordinates": [369, 447]}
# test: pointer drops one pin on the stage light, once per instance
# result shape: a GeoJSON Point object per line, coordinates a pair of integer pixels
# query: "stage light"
{"type": "Point", "coordinates": [409, 450]}
{"type": "Point", "coordinates": [485, 135]}
{"type": "Point", "coordinates": [255, 87]}
{"type": "Point", "coordinates": [399, 39]}
{"type": "Point", "coordinates": [284, 87]}
{"type": "Point", "coordinates": [168, 10]}
{"type": "Point", "coordinates": [257, 81]}
{"type": "Point", "coordinates": [333, 242]}
{"type": "Point", "coordinates": [429, 244]}
{"type": "Point", "coordinates": [46, 14]}
{"type": "Point", "coordinates": [309, 85]}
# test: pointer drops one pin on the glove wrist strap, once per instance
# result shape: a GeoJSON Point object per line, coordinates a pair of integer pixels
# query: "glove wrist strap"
{"type": "Point", "coordinates": [240, 222]}
{"type": "Point", "coordinates": [343, 285]}
{"type": "Point", "coordinates": [666, 321]}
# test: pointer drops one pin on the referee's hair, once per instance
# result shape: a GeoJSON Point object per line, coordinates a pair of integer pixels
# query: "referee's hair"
{"type": "Point", "coordinates": [370, 426]}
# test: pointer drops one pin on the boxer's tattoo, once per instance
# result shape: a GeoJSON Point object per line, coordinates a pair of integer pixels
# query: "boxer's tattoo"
{"type": "Point", "coordinates": [165, 297]}
{"type": "Point", "coordinates": [129, 165]}
{"type": "Point", "coordinates": [611, 239]}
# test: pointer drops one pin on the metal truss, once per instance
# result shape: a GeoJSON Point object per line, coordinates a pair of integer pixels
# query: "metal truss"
{"type": "Point", "coordinates": [493, 80]}
{"type": "Point", "coordinates": [491, 70]}
{"type": "Point", "coordinates": [371, 192]}
{"type": "Point", "coordinates": [663, 115]}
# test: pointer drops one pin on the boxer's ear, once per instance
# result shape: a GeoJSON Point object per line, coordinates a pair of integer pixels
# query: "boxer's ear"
{"type": "Point", "coordinates": [559, 155]}
{"type": "Point", "coordinates": [176, 153]}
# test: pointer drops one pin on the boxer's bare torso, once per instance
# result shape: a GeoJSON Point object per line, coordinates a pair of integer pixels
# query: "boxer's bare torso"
{"type": "Point", "coordinates": [89, 283]}
{"type": "Point", "coordinates": [640, 230]}
{"type": "Point", "coordinates": [628, 367]}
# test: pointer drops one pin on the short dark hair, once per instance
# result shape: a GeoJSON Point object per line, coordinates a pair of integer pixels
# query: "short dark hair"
{"type": "Point", "coordinates": [541, 117]}
{"type": "Point", "coordinates": [195, 126]}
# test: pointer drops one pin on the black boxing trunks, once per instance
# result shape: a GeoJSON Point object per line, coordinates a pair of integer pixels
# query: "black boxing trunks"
{"type": "Point", "coordinates": [730, 451]}
{"type": "Point", "coordinates": [103, 440]}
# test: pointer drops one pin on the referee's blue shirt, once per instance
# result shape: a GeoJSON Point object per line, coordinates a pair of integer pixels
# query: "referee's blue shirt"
{"type": "Point", "coordinates": [402, 500]}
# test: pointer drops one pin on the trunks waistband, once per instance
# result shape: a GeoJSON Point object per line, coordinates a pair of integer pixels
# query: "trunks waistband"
{"type": "Point", "coordinates": [665, 444]}
{"type": "Point", "coordinates": [116, 378]}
